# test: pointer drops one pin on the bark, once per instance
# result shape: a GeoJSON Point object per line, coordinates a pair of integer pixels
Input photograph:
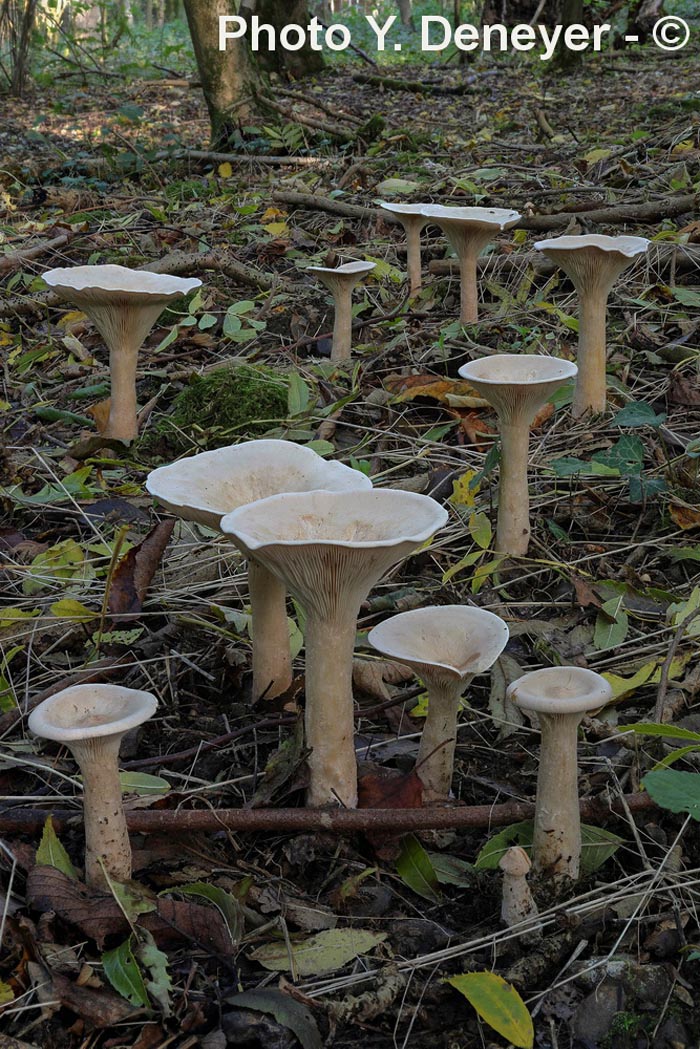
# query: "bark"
{"type": "Point", "coordinates": [280, 13]}
{"type": "Point", "coordinates": [229, 78]}
{"type": "Point", "coordinates": [406, 13]}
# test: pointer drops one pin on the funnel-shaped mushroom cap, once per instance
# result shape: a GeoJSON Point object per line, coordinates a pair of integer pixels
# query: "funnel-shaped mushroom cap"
{"type": "Point", "coordinates": [456, 640]}
{"type": "Point", "coordinates": [123, 303]}
{"type": "Point", "coordinates": [515, 382]}
{"type": "Point", "coordinates": [407, 212]}
{"type": "Point", "coordinates": [345, 276]}
{"type": "Point", "coordinates": [593, 260]}
{"type": "Point", "coordinates": [560, 690]}
{"type": "Point", "coordinates": [206, 486]}
{"type": "Point", "coordinates": [91, 711]}
{"type": "Point", "coordinates": [479, 220]}
{"type": "Point", "coordinates": [321, 543]}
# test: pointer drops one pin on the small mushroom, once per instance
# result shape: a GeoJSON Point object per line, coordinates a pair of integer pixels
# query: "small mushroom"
{"type": "Point", "coordinates": [123, 305]}
{"type": "Point", "coordinates": [593, 263]}
{"type": "Point", "coordinates": [469, 230]}
{"type": "Point", "coordinates": [413, 220]}
{"type": "Point", "coordinates": [91, 721]}
{"type": "Point", "coordinates": [340, 282]}
{"type": "Point", "coordinates": [559, 696]}
{"type": "Point", "coordinates": [517, 903]}
{"type": "Point", "coordinates": [446, 645]}
{"type": "Point", "coordinates": [330, 548]}
{"type": "Point", "coordinates": [204, 487]}
{"type": "Point", "coordinates": [517, 385]}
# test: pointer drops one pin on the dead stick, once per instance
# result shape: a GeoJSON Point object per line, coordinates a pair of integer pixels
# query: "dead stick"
{"type": "Point", "coordinates": [337, 821]}
{"type": "Point", "coordinates": [16, 259]}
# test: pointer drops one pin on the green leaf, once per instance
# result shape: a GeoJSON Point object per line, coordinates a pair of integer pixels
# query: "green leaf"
{"type": "Point", "coordinates": [298, 394]}
{"type": "Point", "coordinates": [52, 854]}
{"type": "Point", "coordinates": [498, 1004]}
{"type": "Point", "coordinates": [480, 530]}
{"type": "Point", "coordinates": [638, 413]}
{"type": "Point", "coordinates": [323, 953]}
{"type": "Point", "coordinates": [686, 297]}
{"type": "Point", "coordinates": [229, 907]}
{"type": "Point", "coordinates": [321, 447]}
{"type": "Point", "coordinates": [415, 869]}
{"type": "Point", "coordinates": [142, 784]}
{"type": "Point", "coordinates": [69, 608]}
{"type": "Point", "coordinates": [675, 791]}
{"type": "Point", "coordinates": [627, 456]}
{"type": "Point", "coordinates": [451, 870]}
{"type": "Point", "coordinates": [285, 1009]}
{"type": "Point", "coordinates": [122, 971]}
{"type": "Point", "coordinates": [611, 625]}
{"type": "Point", "coordinates": [132, 899]}
{"type": "Point", "coordinates": [400, 186]}
{"type": "Point", "coordinates": [6, 993]}
{"type": "Point", "coordinates": [652, 728]}
{"type": "Point", "coordinates": [597, 846]}
{"type": "Point", "coordinates": [155, 962]}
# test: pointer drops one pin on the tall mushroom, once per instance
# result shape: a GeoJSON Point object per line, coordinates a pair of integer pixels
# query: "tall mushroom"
{"type": "Point", "coordinates": [413, 220]}
{"type": "Point", "coordinates": [123, 305]}
{"type": "Point", "coordinates": [330, 548]}
{"type": "Point", "coordinates": [206, 486]}
{"type": "Point", "coordinates": [446, 645]}
{"type": "Point", "coordinates": [340, 282]}
{"type": "Point", "coordinates": [592, 262]}
{"type": "Point", "coordinates": [517, 385]}
{"type": "Point", "coordinates": [469, 230]}
{"type": "Point", "coordinates": [559, 696]}
{"type": "Point", "coordinates": [91, 721]}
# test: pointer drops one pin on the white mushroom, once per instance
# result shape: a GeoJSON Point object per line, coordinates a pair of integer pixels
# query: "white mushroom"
{"type": "Point", "coordinates": [340, 282]}
{"type": "Point", "coordinates": [592, 262]}
{"type": "Point", "coordinates": [446, 645]}
{"type": "Point", "coordinates": [559, 696]}
{"type": "Point", "coordinates": [469, 230]}
{"type": "Point", "coordinates": [123, 305]}
{"type": "Point", "coordinates": [517, 904]}
{"type": "Point", "coordinates": [413, 220]}
{"type": "Point", "coordinates": [330, 548]}
{"type": "Point", "coordinates": [204, 487]}
{"type": "Point", "coordinates": [517, 385]}
{"type": "Point", "coordinates": [91, 721]}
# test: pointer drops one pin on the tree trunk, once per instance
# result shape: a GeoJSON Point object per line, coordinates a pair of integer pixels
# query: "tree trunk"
{"type": "Point", "coordinates": [406, 13]}
{"type": "Point", "coordinates": [229, 77]}
{"type": "Point", "coordinates": [21, 35]}
{"type": "Point", "coordinates": [280, 13]}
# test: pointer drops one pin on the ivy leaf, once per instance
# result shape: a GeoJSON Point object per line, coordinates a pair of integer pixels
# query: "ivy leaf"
{"type": "Point", "coordinates": [639, 413]}
{"type": "Point", "coordinates": [498, 1004]}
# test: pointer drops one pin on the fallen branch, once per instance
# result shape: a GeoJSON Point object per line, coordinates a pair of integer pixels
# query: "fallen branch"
{"type": "Point", "coordinates": [315, 202]}
{"type": "Point", "coordinates": [16, 259]}
{"type": "Point", "coordinates": [337, 821]}
{"type": "Point", "coordinates": [617, 214]}
{"type": "Point", "coordinates": [315, 123]}
{"type": "Point", "coordinates": [418, 87]}
{"type": "Point", "coordinates": [181, 264]}
{"type": "Point", "coordinates": [248, 158]}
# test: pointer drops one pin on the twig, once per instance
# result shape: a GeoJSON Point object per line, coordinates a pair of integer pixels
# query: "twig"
{"type": "Point", "coordinates": [668, 661]}
{"type": "Point", "coordinates": [16, 259]}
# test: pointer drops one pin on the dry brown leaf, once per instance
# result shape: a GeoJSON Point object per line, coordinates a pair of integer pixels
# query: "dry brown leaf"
{"type": "Point", "coordinates": [100, 413]}
{"type": "Point", "coordinates": [682, 390]}
{"type": "Point", "coordinates": [686, 517]}
{"type": "Point", "coordinates": [454, 393]}
{"type": "Point", "coordinates": [135, 571]}
{"type": "Point", "coordinates": [387, 789]}
{"type": "Point", "coordinates": [585, 596]}
{"type": "Point", "coordinates": [374, 675]}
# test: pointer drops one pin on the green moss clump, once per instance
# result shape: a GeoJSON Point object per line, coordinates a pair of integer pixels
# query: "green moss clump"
{"type": "Point", "coordinates": [226, 404]}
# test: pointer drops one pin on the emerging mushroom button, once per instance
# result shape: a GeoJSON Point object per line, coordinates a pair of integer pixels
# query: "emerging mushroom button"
{"type": "Point", "coordinates": [469, 230]}
{"type": "Point", "coordinates": [330, 549]}
{"type": "Point", "coordinates": [91, 721]}
{"type": "Point", "coordinates": [205, 487]}
{"type": "Point", "coordinates": [559, 696]}
{"type": "Point", "coordinates": [592, 262]}
{"type": "Point", "coordinates": [124, 305]}
{"type": "Point", "coordinates": [447, 645]}
{"type": "Point", "coordinates": [517, 385]}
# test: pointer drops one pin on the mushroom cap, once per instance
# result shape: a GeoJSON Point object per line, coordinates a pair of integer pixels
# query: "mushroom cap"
{"type": "Point", "coordinates": [118, 284]}
{"type": "Point", "coordinates": [347, 273]}
{"type": "Point", "coordinates": [329, 548]}
{"type": "Point", "coordinates": [91, 711]}
{"type": "Point", "coordinates": [512, 381]}
{"type": "Point", "coordinates": [406, 211]}
{"type": "Point", "coordinates": [628, 246]}
{"type": "Point", "coordinates": [365, 519]}
{"type": "Point", "coordinates": [487, 219]}
{"type": "Point", "coordinates": [515, 861]}
{"type": "Point", "coordinates": [204, 487]}
{"type": "Point", "coordinates": [458, 639]}
{"type": "Point", "coordinates": [560, 690]}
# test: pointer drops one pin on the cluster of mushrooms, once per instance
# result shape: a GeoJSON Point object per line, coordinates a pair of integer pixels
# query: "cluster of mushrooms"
{"type": "Point", "coordinates": [318, 530]}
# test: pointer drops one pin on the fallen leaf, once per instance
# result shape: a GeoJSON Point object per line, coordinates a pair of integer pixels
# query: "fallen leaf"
{"type": "Point", "coordinates": [686, 517]}
{"type": "Point", "coordinates": [387, 789]}
{"type": "Point", "coordinates": [682, 390]}
{"type": "Point", "coordinates": [100, 413]}
{"type": "Point", "coordinates": [323, 953]}
{"type": "Point", "coordinates": [454, 393]}
{"type": "Point", "coordinates": [374, 675]}
{"type": "Point", "coordinates": [135, 571]}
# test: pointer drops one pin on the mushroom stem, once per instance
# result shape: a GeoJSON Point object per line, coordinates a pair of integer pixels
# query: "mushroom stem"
{"type": "Point", "coordinates": [591, 384]}
{"type": "Point", "coordinates": [342, 326]}
{"type": "Point", "coordinates": [439, 738]}
{"type": "Point", "coordinates": [329, 720]}
{"type": "Point", "coordinates": [123, 421]}
{"type": "Point", "coordinates": [414, 262]}
{"type": "Point", "coordinates": [272, 660]}
{"type": "Point", "coordinates": [469, 311]}
{"type": "Point", "coordinates": [556, 843]}
{"type": "Point", "coordinates": [106, 834]}
{"type": "Point", "coordinates": [513, 530]}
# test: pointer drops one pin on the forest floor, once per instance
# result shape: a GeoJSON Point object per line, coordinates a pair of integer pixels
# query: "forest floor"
{"type": "Point", "coordinates": [101, 173]}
